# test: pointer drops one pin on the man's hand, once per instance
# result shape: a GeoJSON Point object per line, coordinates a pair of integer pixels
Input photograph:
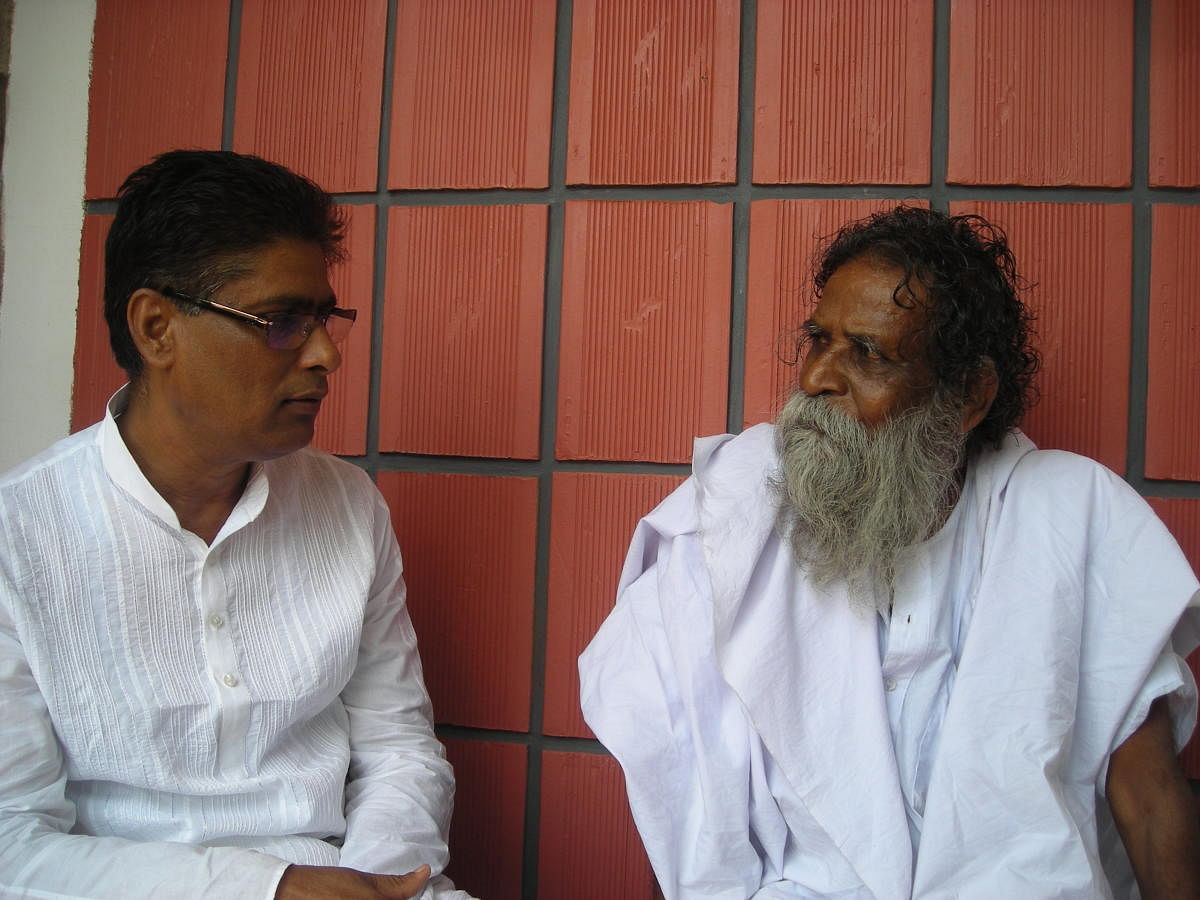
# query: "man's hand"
{"type": "Point", "coordinates": [1155, 811]}
{"type": "Point", "coordinates": [333, 883]}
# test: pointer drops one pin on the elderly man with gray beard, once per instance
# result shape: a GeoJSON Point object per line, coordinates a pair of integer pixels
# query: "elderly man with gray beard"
{"type": "Point", "coordinates": [886, 648]}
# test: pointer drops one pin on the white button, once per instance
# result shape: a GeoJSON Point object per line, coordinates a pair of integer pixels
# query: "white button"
{"type": "Point", "coordinates": [889, 684]}
{"type": "Point", "coordinates": [216, 620]}
{"type": "Point", "coordinates": [230, 680]}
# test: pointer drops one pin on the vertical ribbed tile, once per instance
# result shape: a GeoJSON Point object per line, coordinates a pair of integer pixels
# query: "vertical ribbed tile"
{"type": "Point", "coordinates": [589, 847]}
{"type": "Point", "coordinates": [471, 94]}
{"type": "Point", "coordinates": [489, 817]}
{"type": "Point", "coordinates": [1173, 392]}
{"type": "Point", "coordinates": [158, 82]}
{"type": "Point", "coordinates": [784, 236]}
{"type": "Point", "coordinates": [1182, 516]}
{"type": "Point", "coordinates": [310, 82]}
{"type": "Point", "coordinates": [468, 547]}
{"type": "Point", "coordinates": [1041, 93]}
{"type": "Point", "coordinates": [462, 334]}
{"type": "Point", "coordinates": [1078, 256]}
{"type": "Point", "coordinates": [1175, 93]}
{"type": "Point", "coordinates": [644, 349]}
{"type": "Point", "coordinates": [592, 518]}
{"type": "Point", "coordinates": [842, 92]}
{"type": "Point", "coordinates": [97, 375]}
{"type": "Point", "coordinates": [654, 92]}
{"type": "Point", "coordinates": [342, 424]}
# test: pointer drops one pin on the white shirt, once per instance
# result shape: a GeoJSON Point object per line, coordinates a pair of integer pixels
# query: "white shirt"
{"type": "Point", "coordinates": [764, 755]}
{"type": "Point", "coordinates": [184, 720]}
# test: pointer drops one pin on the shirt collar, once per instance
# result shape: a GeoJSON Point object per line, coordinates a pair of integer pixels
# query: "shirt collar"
{"type": "Point", "coordinates": [127, 475]}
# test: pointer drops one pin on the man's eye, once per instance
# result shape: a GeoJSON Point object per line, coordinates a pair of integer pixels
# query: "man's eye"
{"type": "Point", "coordinates": [868, 351]}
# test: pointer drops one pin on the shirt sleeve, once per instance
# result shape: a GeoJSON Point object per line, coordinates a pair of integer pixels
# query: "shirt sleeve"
{"type": "Point", "coordinates": [38, 855]}
{"type": "Point", "coordinates": [400, 788]}
{"type": "Point", "coordinates": [688, 786]}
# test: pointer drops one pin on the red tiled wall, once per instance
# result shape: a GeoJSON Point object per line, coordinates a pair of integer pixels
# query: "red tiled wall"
{"type": "Point", "coordinates": [1078, 258]}
{"type": "Point", "coordinates": [572, 252]}
{"type": "Point", "coordinates": [1173, 401]}
{"type": "Point", "coordinates": [591, 521]}
{"type": "Point", "coordinates": [1174, 93]}
{"type": "Point", "coordinates": [468, 546]}
{"type": "Point", "coordinates": [645, 329]}
{"type": "Point", "coordinates": [489, 817]}
{"type": "Point", "coordinates": [471, 94]}
{"type": "Point", "coordinates": [342, 425]}
{"type": "Point", "coordinates": [158, 82]}
{"type": "Point", "coordinates": [310, 79]}
{"type": "Point", "coordinates": [654, 87]}
{"type": "Point", "coordinates": [843, 99]}
{"type": "Point", "coordinates": [1041, 93]}
{"type": "Point", "coordinates": [97, 376]}
{"type": "Point", "coordinates": [462, 362]}
{"type": "Point", "coordinates": [584, 794]}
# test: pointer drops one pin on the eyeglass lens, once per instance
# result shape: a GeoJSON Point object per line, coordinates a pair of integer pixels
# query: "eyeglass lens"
{"type": "Point", "coordinates": [287, 332]}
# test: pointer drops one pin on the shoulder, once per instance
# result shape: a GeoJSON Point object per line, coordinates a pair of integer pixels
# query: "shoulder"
{"type": "Point", "coordinates": [58, 462]}
{"type": "Point", "coordinates": [1061, 483]}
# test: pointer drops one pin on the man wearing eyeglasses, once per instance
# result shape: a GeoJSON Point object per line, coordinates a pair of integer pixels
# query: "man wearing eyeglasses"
{"type": "Point", "coordinates": [209, 682]}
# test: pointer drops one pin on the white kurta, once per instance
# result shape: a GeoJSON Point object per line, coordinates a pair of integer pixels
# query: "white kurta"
{"type": "Point", "coordinates": [179, 719]}
{"type": "Point", "coordinates": [750, 715]}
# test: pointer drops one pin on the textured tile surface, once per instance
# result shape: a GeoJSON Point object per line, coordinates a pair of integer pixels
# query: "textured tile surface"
{"type": "Point", "coordinates": [843, 94]}
{"type": "Point", "coordinates": [1173, 393]}
{"type": "Point", "coordinates": [462, 332]}
{"type": "Point", "coordinates": [1041, 93]}
{"type": "Point", "coordinates": [1182, 517]}
{"type": "Point", "coordinates": [1175, 93]}
{"type": "Point", "coordinates": [97, 375]}
{"type": "Point", "coordinates": [784, 236]}
{"type": "Point", "coordinates": [133, 115]}
{"type": "Point", "coordinates": [468, 546]}
{"type": "Point", "coordinates": [590, 849]}
{"type": "Point", "coordinates": [592, 519]}
{"type": "Point", "coordinates": [1078, 256]}
{"type": "Point", "coordinates": [342, 424]}
{"type": "Point", "coordinates": [465, 70]}
{"type": "Point", "coordinates": [654, 87]}
{"type": "Point", "coordinates": [644, 350]}
{"type": "Point", "coordinates": [489, 817]}
{"type": "Point", "coordinates": [310, 81]}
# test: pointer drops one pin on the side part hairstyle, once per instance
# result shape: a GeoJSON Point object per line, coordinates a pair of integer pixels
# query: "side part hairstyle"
{"type": "Point", "coordinates": [189, 221]}
{"type": "Point", "coordinates": [975, 317]}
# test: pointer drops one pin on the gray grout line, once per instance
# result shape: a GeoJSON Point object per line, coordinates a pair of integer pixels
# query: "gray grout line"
{"type": "Point", "coordinates": [231, 73]}
{"type": "Point", "coordinates": [939, 132]}
{"type": "Point", "coordinates": [545, 466]}
{"type": "Point", "coordinates": [742, 193]}
{"type": "Point", "coordinates": [1139, 327]}
{"type": "Point", "coordinates": [522, 739]}
{"type": "Point", "coordinates": [379, 268]}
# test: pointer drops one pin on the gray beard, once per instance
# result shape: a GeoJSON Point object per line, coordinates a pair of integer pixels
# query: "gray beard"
{"type": "Point", "coordinates": [852, 499]}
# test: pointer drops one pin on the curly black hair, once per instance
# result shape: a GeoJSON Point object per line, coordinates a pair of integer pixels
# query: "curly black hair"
{"type": "Point", "coordinates": [974, 311]}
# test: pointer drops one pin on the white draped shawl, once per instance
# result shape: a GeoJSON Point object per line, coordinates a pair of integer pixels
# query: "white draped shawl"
{"type": "Point", "coordinates": [747, 712]}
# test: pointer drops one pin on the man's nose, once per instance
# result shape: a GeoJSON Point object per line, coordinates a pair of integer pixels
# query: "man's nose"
{"type": "Point", "coordinates": [821, 373]}
{"type": "Point", "coordinates": [319, 351]}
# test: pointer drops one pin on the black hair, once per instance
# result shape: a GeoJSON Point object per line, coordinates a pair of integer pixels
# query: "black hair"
{"type": "Point", "coordinates": [188, 220]}
{"type": "Point", "coordinates": [974, 311]}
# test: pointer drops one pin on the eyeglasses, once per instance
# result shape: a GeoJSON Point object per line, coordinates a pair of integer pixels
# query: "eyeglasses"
{"type": "Point", "coordinates": [286, 331]}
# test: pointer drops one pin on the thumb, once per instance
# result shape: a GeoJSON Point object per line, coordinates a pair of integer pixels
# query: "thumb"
{"type": "Point", "coordinates": [404, 887]}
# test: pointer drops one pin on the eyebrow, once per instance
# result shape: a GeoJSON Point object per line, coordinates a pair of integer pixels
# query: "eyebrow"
{"type": "Point", "coordinates": [812, 329]}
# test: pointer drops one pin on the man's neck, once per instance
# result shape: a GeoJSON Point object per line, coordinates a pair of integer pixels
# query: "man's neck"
{"type": "Point", "coordinates": [202, 491]}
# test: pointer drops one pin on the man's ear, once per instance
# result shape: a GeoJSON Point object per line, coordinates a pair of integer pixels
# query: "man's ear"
{"type": "Point", "coordinates": [979, 394]}
{"type": "Point", "coordinates": [150, 316]}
